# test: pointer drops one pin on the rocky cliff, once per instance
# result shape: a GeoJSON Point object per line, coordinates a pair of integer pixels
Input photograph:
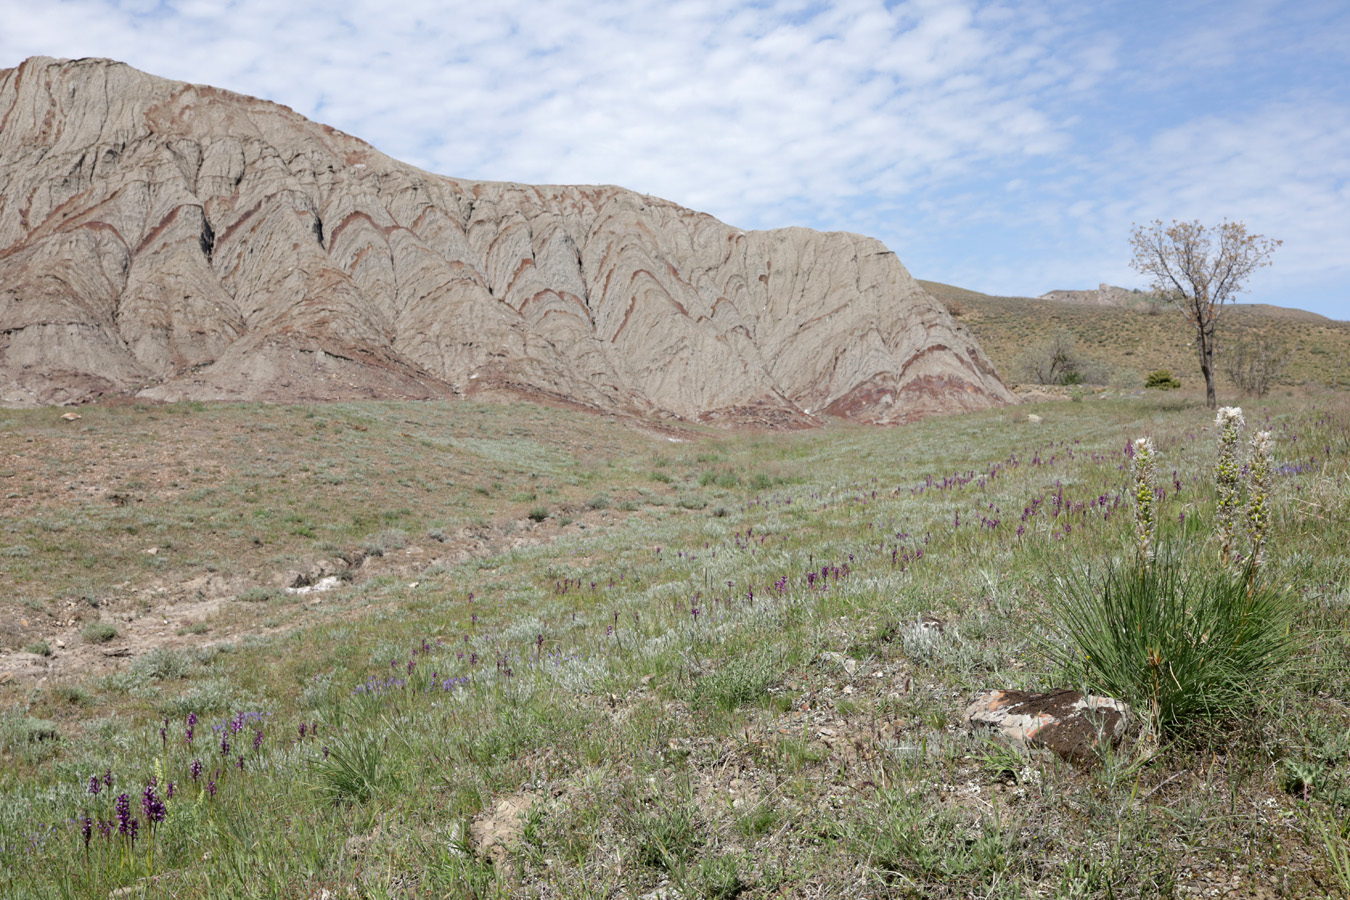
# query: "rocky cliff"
{"type": "Point", "coordinates": [177, 241]}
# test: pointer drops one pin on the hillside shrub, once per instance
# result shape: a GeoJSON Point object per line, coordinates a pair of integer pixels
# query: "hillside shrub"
{"type": "Point", "coordinates": [99, 632]}
{"type": "Point", "coordinates": [1162, 380]}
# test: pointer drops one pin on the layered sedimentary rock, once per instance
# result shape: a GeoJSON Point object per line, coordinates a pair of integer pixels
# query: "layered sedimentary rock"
{"type": "Point", "coordinates": [175, 241]}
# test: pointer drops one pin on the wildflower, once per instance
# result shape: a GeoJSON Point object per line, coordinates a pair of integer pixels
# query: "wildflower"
{"type": "Point", "coordinates": [257, 740]}
{"type": "Point", "coordinates": [86, 830]}
{"type": "Point", "coordinates": [1226, 474]}
{"type": "Point", "coordinates": [94, 786]}
{"type": "Point", "coordinates": [225, 745]}
{"type": "Point", "coordinates": [195, 770]}
{"type": "Point", "coordinates": [1258, 495]}
{"type": "Point", "coordinates": [211, 785]}
{"type": "Point", "coordinates": [1144, 520]}
{"type": "Point", "coordinates": [123, 808]}
{"type": "Point", "coordinates": [153, 807]}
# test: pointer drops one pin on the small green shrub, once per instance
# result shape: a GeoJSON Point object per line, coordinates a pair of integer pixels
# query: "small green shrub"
{"type": "Point", "coordinates": [539, 514]}
{"type": "Point", "coordinates": [599, 501]}
{"type": "Point", "coordinates": [163, 664]}
{"type": "Point", "coordinates": [98, 632]}
{"type": "Point", "coordinates": [692, 501]}
{"type": "Point", "coordinates": [1161, 380]}
{"type": "Point", "coordinates": [1179, 642]}
{"type": "Point", "coordinates": [41, 648]}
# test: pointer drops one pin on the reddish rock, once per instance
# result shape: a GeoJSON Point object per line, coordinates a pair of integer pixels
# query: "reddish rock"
{"type": "Point", "coordinates": [1069, 723]}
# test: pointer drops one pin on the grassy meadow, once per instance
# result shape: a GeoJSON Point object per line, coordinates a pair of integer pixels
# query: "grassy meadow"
{"type": "Point", "coordinates": [656, 664]}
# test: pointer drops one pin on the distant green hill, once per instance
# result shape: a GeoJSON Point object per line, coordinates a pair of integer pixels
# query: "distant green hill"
{"type": "Point", "coordinates": [1125, 344]}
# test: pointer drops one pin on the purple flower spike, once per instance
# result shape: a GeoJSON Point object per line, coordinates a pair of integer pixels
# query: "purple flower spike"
{"type": "Point", "coordinates": [123, 808]}
{"type": "Point", "coordinates": [94, 785]}
{"type": "Point", "coordinates": [153, 807]}
{"type": "Point", "coordinates": [225, 746]}
{"type": "Point", "coordinates": [195, 770]}
{"type": "Point", "coordinates": [302, 730]}
{"type": "Point", "coordinates": [86, 830]}
{"type": "Point", "coordinates": [107, 778]}
{"type": "Point", "coordinates": [257, 740]}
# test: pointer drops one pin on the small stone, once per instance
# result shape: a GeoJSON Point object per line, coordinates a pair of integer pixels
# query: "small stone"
{"type": "Point", "coordinates": [847, 663]}
{"type": "Point", "coordinates": [1067, 722]}
{"type": "Point", "coordinates": [71, 417]}
{"type": "Point", "coordinates": [1033, 419]}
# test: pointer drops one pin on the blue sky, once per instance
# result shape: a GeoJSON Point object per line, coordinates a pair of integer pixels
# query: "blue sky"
{"type": "Point", "coordinates": [1004, 147]}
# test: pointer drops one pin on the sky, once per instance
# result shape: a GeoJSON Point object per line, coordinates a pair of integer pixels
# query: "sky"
{"type": "Point", "coordinates": [1004, 147]}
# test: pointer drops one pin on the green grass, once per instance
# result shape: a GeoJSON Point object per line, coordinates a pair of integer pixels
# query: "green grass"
{"type": "Point", "coordinates": [1179, 638]}
{"type": "Point", "coordinates": [800, 735]}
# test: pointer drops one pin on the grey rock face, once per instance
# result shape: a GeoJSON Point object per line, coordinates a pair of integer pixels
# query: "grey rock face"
{"type": "Point", "coordinates": [176, 241]}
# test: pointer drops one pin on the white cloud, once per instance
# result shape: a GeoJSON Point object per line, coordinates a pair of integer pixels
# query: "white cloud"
{"type": "Point", "coordinates": [907, 120]}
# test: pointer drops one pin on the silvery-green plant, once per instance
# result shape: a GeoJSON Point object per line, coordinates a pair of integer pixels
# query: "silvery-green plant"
{"type": "Point", "coordinates": [1145, 519]}
{"type": "Point", "coordinates": [1258, 496]}
{"type": "Point", "coordinates": [1227, 475]}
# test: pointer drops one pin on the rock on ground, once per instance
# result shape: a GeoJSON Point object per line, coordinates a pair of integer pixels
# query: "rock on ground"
{"type": "Point", "coordinates": [1069, 723]}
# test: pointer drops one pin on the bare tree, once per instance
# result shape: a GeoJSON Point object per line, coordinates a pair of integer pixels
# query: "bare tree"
{"type": "Point", "coordinates": [1254, 362]}
{"type": "Point", "coordinates": [1198, 270]}
{"type": "Point", "coordinates": [1052, 361]}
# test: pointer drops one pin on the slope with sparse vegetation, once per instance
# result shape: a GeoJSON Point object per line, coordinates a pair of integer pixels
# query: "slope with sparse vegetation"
{"type": "Point", "coordinates": [1123, 345]}
{"type": "Point", "coordinates": [723, 685]}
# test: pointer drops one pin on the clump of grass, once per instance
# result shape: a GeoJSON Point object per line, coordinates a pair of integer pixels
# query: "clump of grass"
{"type": "Point", "coordinates": [664, 832]}
{"type": "Point", "coordinates": [41, 648]}
{"type": "Point", "coordinates": [98, 632]}
{"type": "Point", "coordinates": [539, 514]}
{"type": "Point", "coordinates": [1173, 638]}
{"type": "Point", "coordinates": [599, 501]}
{"type": "Point", "coordinates": [352, 770]}
{"type": "Point", "coordinates": [741, 680]}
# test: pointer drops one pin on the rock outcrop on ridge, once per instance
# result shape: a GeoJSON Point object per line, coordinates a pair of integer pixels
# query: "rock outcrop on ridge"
{"type": "Point", "coordinates": [174, 241]}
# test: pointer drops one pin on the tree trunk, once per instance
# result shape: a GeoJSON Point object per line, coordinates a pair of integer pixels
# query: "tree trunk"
{"type": "Point", "coordinates": [1206, 343]}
